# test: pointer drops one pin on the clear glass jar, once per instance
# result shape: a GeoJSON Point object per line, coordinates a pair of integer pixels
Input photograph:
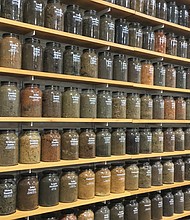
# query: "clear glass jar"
{"type": "Point", "coordinates": [131, 175]}
{"type": "Point", "coordinates": [54, 15]}
{"type": "Point", "coordinates": [182, 47]}
{"type": "Point", "coordinates": [188, 48]}
{"type": "Point", "coordinates": [178, 201]}
{"type": "Point", "coordinates": [133, 102]}
{"type": "Point", "coordinates": [34, 12]}
{"type": "Point", "coordinates": [71, 103]}
{"type": "Point", "coordinates": [121, 31]}
{"type": "Point", "coordinates": [118, 142]}
{"type": "Point", "coordinates": [10, 99]}
{"type": "Point", "coordinates": [170, 76]}
{"type": "Point", "coordinates": [144, 207]}
{"type": "Point", "coordinates": [104, 103]}
{"type": "Point", "coordinates": [161, 9]}
{"type": "Point", "coordinates": [148, 38]}
{"type": "Point", "coordinates": [73, 20]}
{"type": "Point", "coordinates": [169, 108]}
{"type": "Point", "coordinates": [157, 172]}
{"type": "Point", "coordinates": [158, 107]}
{"type": "Point", "coordinates": [180, 113]}
{"type": "Point", "coordinates": [135, 35]}
{"type": "Point", "coordinates": [117, 210]}
{"type": "Point", "coordinates": [186, 199]}
{"type": "Point", "coordinates": [10, 51]}
{"type": "Point", "coordinates": [102, 212]}
{"type": "Point", "coordinates": [117, 178]}
{"type": "Point", "coordinates": [72, 60]}
{"type": "Point", "coordinates": [51, 146]}
{"type": "Point", "coordinates": [88, 104]}
{"type": "Point", "coordinates": [187, 109]}
{"type": "Point", "coordinates": [156, 206]}
{"type": "Point", "coordinates": [181, 78]}
{"type": "Point", "coordinates": [119, 105]}
{"type": "Point", "coordinates": [133, 141]}
{"type": "Point", "coordinates": [168, 203]}
{"type": "Point", "coordinates": [169, 140]}
{"type": "Point", "coordinates": [168, 170]}
{"type": "Point", "coordinates": [146, 107]}
{"type": "Point", "coordinates": [173, 12]}
{"type": "Point", "coordinates": [105, 65]}
{"type": "Point", "coordinates": [53, 58]}
{"type": "Point", "coordinates": [86, 213]}
{"type": "Point", "coordinates": [120, 67]}
{"type": "Point", "coordinates": [69, 185]}
{"type": "Point", "coordinates": [70, 145]}
{"type": "Point", "coordinates": [188, 77]}
{"type": "Point", "coordinates": [134, 70]}
{"type": "Point", "coordinates": [150, 7]}
{"type": "Point", "coordinates": [171, 44]}
{"type": "Point", "coordinates": [137, 5]}
{"type": "Point", "coordinates": [179, 169]}
{"type": "Point", "coordinates": [147, 73]}
{"type": "Point", "coordinates": [159, 74]}
{"type": "Point", "coordinates": [70, 214]}
{"type": "Point", "coordinates": [8, 189]}
{"type": "Point", "coordinates": [89, 63]}
{"type": "Point", "coordinates": [102, 180]}
{"type": "Point", "coordinates": [131, 209]}
{"type": "Point", "coordinates": [146, 141]}
{"type": "Point", "coordinates": [90, 24]}
{"type": "Point", "coordinates": [187, 139]}
{"type": "Point", "coordinates": [49, 189]}
{"type": "Point", "coordinates": [27, 192]}
{"type": "Point", "coordinates": [87, 144]}
{"type": "Point", "coordinates": [183, 16]}
{"type": "Point", "coordinates": [160, 41]}
{"type": "Point", "coordinates": [157, 141]}
{"type": "Point", "coordinates": [103, 143]}
{"type": "Point", "coordinates": [107, 28]}
{"type": "Point", "coordinates": [145, 174]}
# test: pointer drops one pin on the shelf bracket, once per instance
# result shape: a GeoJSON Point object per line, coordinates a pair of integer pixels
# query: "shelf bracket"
{"type": "Point", "coordinates": [107, 124]}
{"type": "Point", "coordinates": [161, 26]}
{"type": "Point", "coordinates": [31, 124]}
{"type": "Point", "coordinates": [106, 10]}
{"type": "Point", "coordinates": [31, 34]}
{"type": "Point", "coordinates": [30, 171]}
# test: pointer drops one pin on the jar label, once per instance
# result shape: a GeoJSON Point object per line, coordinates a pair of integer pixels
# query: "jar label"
{"type": "Point", "coordinates": [16, 2]}
{"type": "Point", "coordinates": [111, 26]}
{"type": "Point", "coordinates": [12, 96]}
{"type": "Point", "coordinates": [181, 199]}
{"type": "Point", "coordinates": [8, 193]}
{"type": "Point", "coordinates": [10, 145]}
{"type": "Point", "coordinates": [160, 171]}
{"type": "Point", "coordinates": [160, 204]}
{"type": "Point", "coordinates": [75, 99]}
{"type": "Point", "coordinates": [122, 139]}
{"type": "Point", "coordinates": [124, 66]}
{"type": "Point", "coordinates": [77, 17]}
{"type": "Point", "coordinates": [162, 105]}
{"type": "Point", "coordinates": [76, 58]}
{"type": "Point", "coordinates": [173, 138]}
{"type": "Point", "coordinates": [93, 60]}
{"type": "Point", "coordinates": [35, 97]}
{"type": "Point", "coordinates": [171, 170]}
{"type": "Point", "coordinates": [91, 141]}
{"type": "Point", "coordinates": [107, 140]}
{"type": "Point", "coordinates": [150, 104]}
{"type": "Point", "coordinates": [120, 214]}
{"type": "Point", "coordinates": [92, 101]}
{"type": "Point", "coordinates": [138, 68]}
{"type": "Point", "coordinates": [13, 49]}
{"type": "Point", "coordinates": [139, 34]}
{"type": "Point", "coordinates": [59, 12]}
{"type": "Point", "coordinates": [55, 143]}
{"type": "Point", "coordinates": [74, 141]}
{"type": "Point", "coordinates": [184, 45]}
{"type": "Point", "coordinates": [148, 207]}
{"type": "Point", "coordinates": [36, 52]}
{"type": "Point", "coordinates": [161, 139]}
{"type": "Point", "coordinates": [95, 22]}
{"type": "Point", "coordinates": [34, 143]}
{"type": "Point", "coordinates": [53, 186]}
{"type": "Point", "coordinates": [163, 72]}
{"type": "Point", "coordinates": [137, 139]}
{"type": "Point", "coordinates": [72, 184]}
{"type": "Point", "coordinates": [121, 175]}
{"type": "Point", "coordinates": [148, 172]}
{"type": "Point", "coordinates": [173, 105]}
{"type": "Point", "coordinates": [171, 201]}
{"type": "Point", "coordinates": [123, 103]}
{"type": "Point", "coordinates": [90, 181]}
{"type": "Point", "coordinates": [109, 102]}
{"type": "Point", "coordinates": [31, 190]}
{"type": "Point", "coordinates": [184, 75]}
{"type": "Point", "coordinates": [125, 30]}
{"type": "Point", "coordinates": [182, 137]}
{"type": "Point", "coordinates": [106, 216]}
{"type": "Point", "coordinates": [137, 104]}
{"type": "Point", "coordinates": [135, 211]}
{"type": "Point", "coordinates": [149, 138]}
{"type": "Point", "coordinates": [57, 55]}
{"type": "Point", "coordinates": [56, 99]}
{"type": "Point", "coordinates": [183, 168]}
{"type": "Point", "coordinates": [109, 63]}
{"type": "Point", "coordinates": [39, 7]}
{"type": "Point", "coordinates": [162, 40]}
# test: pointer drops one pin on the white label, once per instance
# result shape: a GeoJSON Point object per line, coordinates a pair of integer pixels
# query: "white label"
{"type": "Point", "coordinates": [181, 199]}
{"type": "Point", "coordinates": [182, 168]}
{"type": "Point", "coordinates": [56, 99]}
{"type": "Point", "coordinates": [53, 186]}
{"type": "Point", "coordinates": [161, 139]}
{"type": "Point", "coordinates": [160, 171]}
{"type": "Point", "coordinates": [137, 139]}
{"type": "Point", "coordinates": [135, 211]}
{"type": "Point", "coordinates": [36, 52]}
{"type": "Point", "coordinates": [125, 30]}
{"type": "Point", "coordinates": [160, 204]}
{"type": "Point", "coordinates": [10, 145]}
{"type": "Point", "coordinates": [162, 105]}
{"type": "Point", "coordinates": [35, 97]}
{"type": "Point", "coordinates": [93, 60]}
{"type": "Point", "coordinates": [111, 26]}
{"type": "Point", "coordinates": [139, 34]}
{"type": "Point", "coordinates": [149, 138]}
{"type": "Point", "coordinates": [91, 141]}
{"type": "Point", "coordinates": [148, 173]}
{"type": "Point", "coordinates": [106, 216]}
{"type": "Point", "coordinates": [75, 99]}
{"type": "Point", "coordinates": [124, 66]}
{"type": "Point", "coordinates": [107, 140]}
{"type": "Point", "coordinates": [57, 55]}
{"type": "Point", "coordinates": [122, 139]}
{"type": "Point", "coordinates": [92, 101]}
{"type": "Point", "coordinates": [32, 190]}
{"type": "Point", "coordinates": [76, 58]}
{"type": "Point", "coordinates": [109, 102]}
{"type": "Point", "coordinates": [55, 143]}
{"type": "Point", "coordinates": [184, 45]}
{"type": "Point", "coordinates": [12, 96]}
{"type": "Point", "coordinates": [77, 17]}
{"type": "Point", "coordinates": [13, 49]}
{"type": "Point", "coordinates": [74, 142]}
{"type": "Point", "coordinates": [90, 181]}
{"type": "Point", "coordinates": [150, 104]}
{"type": "Point", "coordinates": [95, 22]}
{"type": "Point", "coordinates": [8, 193]}
{"type": "Point", "coordinates": [121, 214]}
{"type": "Point", "coordinates": [16, 2]}
{"type": "Point", "coordinates": [137, 104]}
{"type": "Point", "coordinates": [123, 103]}
{"type": "Point", "coordinates": [72, 184]}
{"type": "Point", "coordinates": [59, 12]}
{"type": "Point", "coordinates": [171, 201]}
{"type": "Point", "coordinates": [34, 143]}
{"type": "Point", "coordinates": [109, 63]}
{"type": "Point", "coordinates": [138, 68]}
{"type": "Point", "coordinates": [171, 170]}
{"type": "Point", "coordinates": [39, 7]}
{"type": "Point", "coordinates": [173, 138]}
{"type": "Point", "coordinates": [173, 105]}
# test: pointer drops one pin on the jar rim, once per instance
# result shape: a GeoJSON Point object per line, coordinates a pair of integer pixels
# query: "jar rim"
{"type": "Point", "coordinates": [9, 34]}
{"type": "Point", "coordinates": [52, 43]}
{"type": "Point", "coordinates": [8, 83]}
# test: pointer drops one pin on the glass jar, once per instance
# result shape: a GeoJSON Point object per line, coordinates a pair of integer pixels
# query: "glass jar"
{"type": "Point", "coordinates": [121, 31]}
{"type": "Point", "coordinates": [157, 141]}
{"type": "Point", "coordinates": [168, 203]}
{"type": "Point", "coordinates": [10, 51]}
{"type": "Point", "coordinates": [187, 139]}
{"type": "Point", "coordinates": [103, 143]}
{"type": "Point", "coordinates": [51, 146]}
{"type": "Point", "coordinates": [146, 107]}
{"type": "Point", "coordinates": [102, 180]}
{"type": "Point", "coordinates": [160, 41]}
{"type": "Point", "coordinates": [104, 103]}
{"type": "Point", "coordinates": [145, 141]}
{"type": "Point", "coordinates": [118, 142]}
{"type": "Point", "coordinates": [147, 73]}
{"type": "Point", "coordinates": [11, 9]}
{"type": "Point", "coordinates": [144, 208]}
{"type": "Point", "coordinates": [86, 183]}
{"type": "Point", "coordinates": [180, 104]}
{"type": "Point", "coordinates": [89, 63]}
{"type": "Point", "coordinates": [181, 78]}
{"type": "Point", "coordinates": [159, 74]}
{"type": "Point", "coordinates": [148, 38]}
{"type": "Point", "coordinates": [131, 175]}
{"type": "Point", "coordinates": [183, 16]}
{"type": "Point", "coordinates": [119, 105]}
{"type": "Point", "coordinates": [117, 210]}
{"type": "Point", "coordinates": [102, 212]}
{"type": "Point", "coordinates": [53, 58]}
{"type": "Point", "coordinates": [70, 214]}
{"type": "Point", "coordinates": [188, 76]}
{"type": "Point", "coordinates": [52, 102]}
{"type": "Point", "coordinates": [120, 67]}
{"type": "Point", "coordinates": [182, 47]}
{"type": "Point", "coordinates": [107, 28]}
{"type": "Point", "coordinates": [173, 12]}
{"type": "Point", "coordinates": [86, 214]}
{"type": "Point", "coordinates": [138, 5]}
{"type": "Point", "coordinates": [87, 144]}
{"type": "Point", "coordinates": [69, 185]}
{"type": "Point", "coordinates": [49, 189]}
{"type": "Point", "coordinates": [131, 209]}
{"type": "Point", "coordinates": [145, 174]}
{"type": "Point", "coordinates": [134, 70]}
{"type": "Point", "coordinates": [135, 35]}
{"type": "Point", "coordinates": [27, 192]}
{"type": "Point", "coordinates": [72, 60]}
{"type": "Point", "coordinates": [70, 145]}
{"type": "Point", "coordinates": [31, 101]}
{"type": "Point", "coordinates": [10, 99]}
{"type": "Point", "coordinates": [179, 169]}
{"type": "Point", "coordinates": [168, 170]}
{"type": "Point", "coordinates": [71, 103]}
{"type": "Point", "coordinates": [179, 140]}
{"type": "Point", "coordinates": [169, 108]}
{"type": "Point", "coordinates": [188, 48]}
{"type": "Point", "coordinates": [157, 171]}
{"type": "Point", "coordinates": [150, 7]}
{"type": "Point", "coordinates": [7, 194]}
{"type": "Point", "coordinates": [171, 44]}
{"type": "Point", "coordinates": [117, 178]}
{"type": "Point", "coordinates": [34, 12]}
{"type": "Point", "coordinates": [124, 3]}
{"type": "Point", "coordinates": [90, 24]}
{"type": "Point", "coordinates": [156, 206]}
{"type": "Point", "coordinates": [186, 199]}
{"type": "Point", "coordinates": [178, 201]}
{"type": "Point", "coordinates": [187, 109]}
{"type": "Point", "coordinates": [161, 9]}
{"type": "Point", "coordinates": [133, 141]}
{"type": "Point", "coordinates": [105, 65]}
{"type": "Point", "coordinates": [169, 140]}
{"type": "Point", "coordinates": [133, 103]}
{"type": "Point", "coordinates": [170, 76]}
{"type": "Point", "coordinates": [88, 104]}
{"type": "Point", "coordinates": [73, 20]}
{"type": "Point", "coordinates": [54, 17]}
{"type": "Point", "coordinates": [158, 107]}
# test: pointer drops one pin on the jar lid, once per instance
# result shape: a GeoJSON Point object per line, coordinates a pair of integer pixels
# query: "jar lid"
{"type": "Point", "coordinates": [122, 56]}
{"type": "Point", "coordinates": [28, 174]}
{"type": "Point", "coordinates": [131, 161]}
{"type": "Point", "coordinates": [89, 167]}
{"type": "Point", "coordinates": [90, 50]}
{"type": "Point", "coordinates": [31, 130]}
{"type": "Point", "coordinates": [90, 12]}
{"type": "Point", "coordinates": [6, 131]}
{"type": "Point", "coordinates": [71, 47]}
{"type": "Point", "coordinates": [52, 87]}
{"type": "Point", "coordinates": [144, 161]}
{"type": "Point", "coordinates": [32, 40]}
{"type": "Point", "coordinates": [46, 172]}
{"type": "Point", "coordinates": [70, 88]}
{"type": "Point", "coordinates": [167, 158]}
{"type": "Point", "coordinates": [177, 157]}
{"type": "Point", "coordinates": [99, 166]}
{"type": "Point", "coordinates": [105, 53]}
{"type": "Point", "coordinates": [8, 83]}
{"type": "Point", "coordinates": [31, 85]}
{"type": "Point", "coordinates": [119, 164]}
{"type": "Point", "coordinates": [183, 7]}
{"type": "Point", "coordinates": [121, 20]}
{"type": "Point", "coordinates": [70, 169]}
{"type": "Point", "coordinates": [6, 177]}
{"type": "Point", "coordinates": [155, 159]}
{"type": "Point", "coordinates": [52, 1]}
{"type": "Point", "coordinates": [186, 156]}
{"type": "Point", "coordinates": [106, 16]}
{"type": "Point", "coordinates": [10, 35]}
{"type": "Point", "coordinates": [54, 44]}
{"type": "Point", "coordinates": [73, 7]}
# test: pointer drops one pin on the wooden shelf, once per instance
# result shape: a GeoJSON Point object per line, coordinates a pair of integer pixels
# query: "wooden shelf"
{"type": "Point", "coordinates": [158, 121]}
{"type": "Point", "coordinates": [177, 216]}
{"type": "Point", "coordinates": [63, 206]}
{"type": "Point", "coordinates": [64, 163]}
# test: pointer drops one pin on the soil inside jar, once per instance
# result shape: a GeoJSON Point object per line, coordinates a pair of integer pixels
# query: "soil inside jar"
{"type": "Point", "coordinates": [118, 179]}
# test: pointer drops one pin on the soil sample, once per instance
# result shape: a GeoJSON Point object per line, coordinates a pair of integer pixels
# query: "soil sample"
{"type": "Point", "coordinates": [160, 41]}
{"type": "Point", "coordinates": [179, 140]}
{"type": "Point", "coordinates": [121, 29]}
{"type": "Point", "coordinates": [180, 113]}
{"type": "Point", "coordinates": [107, 28]}
{"type": "Point", "coordinates": [105, 65]}
{"type": "Point", "coordinates": [179, 169]}
{"type": "Point", "coordinates": [168, 203]}
{"type": "Point", "coordinates": [147, 73]}
{"type": "Point", "coordinates": [157, 172]}
{"type": "Point", "coordinates": [161, 9]}
{"type": "Point", "coordinates": [169, 108]}
{"type": "Point", "coordinates": [118, 142]}
{"type": "Point", "coordinates": [145, 174]}
{"type": "Point", "coordinates": [186, 159]}
{"type": "Point", "coordinates": [187, 139]}
{"type": "Point", "coordinates": [86, 214]}
{"type": "Point", "coordinates": [133, 102]}
{"type": "Point", "coordinates": [157, 141]}
{"type": "Point", "coordinates": [102, 212]}
{"type": "Point", "coordinates": [119, 105]}
{"type": "Point", "coordinates": [131, 175]}
{"type": "Point", "coordinates": [186, 198]}
{"type": "Point", "coordinates": [158, 107]}
{"type": "Point", "coordinates": [104, 102]}
{"type": "Point", "coordinates": [144, 208]}
{"type": "Point", "coordinates": [168, 170]}
{"type": "Point", "coordinates": [131, 209]}
{"type": "Point", "coordinates": [133, 141]}
{"type": "Point", "coordinates": [172, 44]}
{"type": "Point", "coordinates": [146, 141]}
{"type": "Point", "coordinates": [146, 107]}
{"type": "Point", "coordinates": [117, 210]}
{"type": "Point", "coordinates": [134, 70]}
{"type": "Point", "coordinates": [156, 206]}
{"type": "Point", "coordinates": [117, 178]}
{"type": "Point", "coordinates": [159, 74]}
{"type": "Point", "coordinates": [178, 201]}
{"type": "Point", "coordinates": [135, 35]}
{"type": "Point", "coordinates": [170, 76]}
{"type": "Point", "coordinates": [187, 109]}
{"type": "Point", "coordinates": [148, 38]}
{"type": "Point", "coordinates": [103, 143]}
{"type": "Point", "coordinates": [169, 140]}
{"type": "Point", "coordinates": [120, 67]}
